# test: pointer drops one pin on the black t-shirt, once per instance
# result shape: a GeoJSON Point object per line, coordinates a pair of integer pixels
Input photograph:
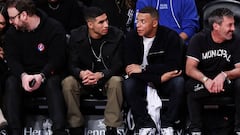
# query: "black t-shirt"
{"type": "Point", "coordinates": [96, 45]}
{"type": "Point", "coordinates": [214, 57]}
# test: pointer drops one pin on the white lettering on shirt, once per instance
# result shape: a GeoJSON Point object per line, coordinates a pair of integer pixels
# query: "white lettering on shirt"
{"type": "Point", "coordinates": [216, 53]}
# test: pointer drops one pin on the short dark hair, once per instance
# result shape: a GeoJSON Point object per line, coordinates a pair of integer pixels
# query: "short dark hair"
{"type": "Point", "coordinates": [92, 13]}
{"type": "Point", "coordinates": [23, 5]}
{"type": "Point", "coordinates": [216, 16]}
{"type": "Point", "coordinates": [151, 10]}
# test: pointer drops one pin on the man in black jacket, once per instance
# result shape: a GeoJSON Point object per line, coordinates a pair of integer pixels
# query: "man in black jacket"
{"type": "Point", "coordinates": [35, 50]}
{"type": "Point", "coordinates": [95, 63]}
{"type": "Point", "coordinates": [153, 58]}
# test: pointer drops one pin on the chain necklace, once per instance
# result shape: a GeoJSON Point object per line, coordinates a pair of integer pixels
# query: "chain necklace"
{"type": "Point", "coordinates": [99, 57]}
{"type": "Point", "coordinates": [53, 8]}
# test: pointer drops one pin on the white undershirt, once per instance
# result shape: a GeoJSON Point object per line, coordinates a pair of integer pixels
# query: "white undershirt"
{"type": "Point", "coordinates": [147, 43]}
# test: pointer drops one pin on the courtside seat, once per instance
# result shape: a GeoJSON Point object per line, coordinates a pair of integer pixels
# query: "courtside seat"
{"type": "Point", "coordinates": [36, 105]}
{"type": "Point", "coordinates": [93, 105]}
{"type": "Point", "coordinates": [217, 102]}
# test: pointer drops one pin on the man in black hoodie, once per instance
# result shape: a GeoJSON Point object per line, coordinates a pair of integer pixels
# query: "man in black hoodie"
{"type": "Point", "coordinates": [35, 51]}
{"type": "Point", "coordinates": [153, 58]}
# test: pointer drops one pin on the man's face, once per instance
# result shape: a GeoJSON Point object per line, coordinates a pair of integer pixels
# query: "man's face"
{"type": "Point", "coordinates": [146, 25]}
{"type": "Point", "coordinates": [226, 28]}
{"type": "Point", "coordinates": [99, 25]}
{"type": "Point", "coordinates": [15, 18]}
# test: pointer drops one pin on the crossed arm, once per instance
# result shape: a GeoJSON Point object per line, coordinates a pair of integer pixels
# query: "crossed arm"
{"type": "Point", "coordinates": [215, 85]}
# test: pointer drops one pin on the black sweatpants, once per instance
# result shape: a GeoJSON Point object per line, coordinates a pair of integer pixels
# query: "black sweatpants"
{"type": "Point", "coordinates": [197, 93]}
{"type": "Point", "coordinates": [13, 102]}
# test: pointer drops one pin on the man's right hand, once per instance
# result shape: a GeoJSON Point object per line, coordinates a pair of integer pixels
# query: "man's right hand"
{"type": "Point", "coordinates": [26, 79]}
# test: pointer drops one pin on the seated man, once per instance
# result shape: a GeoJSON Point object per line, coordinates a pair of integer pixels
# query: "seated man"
{"type": "Point", "coordinates": [96, 65]}
{"type": "Point", "coordinates": [153, 57]}
{"type": "Point", "coordinates": [213, 65]}
{"type": "Point", "coordinates": [35, 50]}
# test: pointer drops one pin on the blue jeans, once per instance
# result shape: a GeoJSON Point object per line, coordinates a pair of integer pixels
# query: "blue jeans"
{"type": "Point", "coordinates": [135, 95]}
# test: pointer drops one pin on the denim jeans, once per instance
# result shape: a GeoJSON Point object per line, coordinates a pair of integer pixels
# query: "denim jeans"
{"type": "Point", "coordinates": [135, 95]}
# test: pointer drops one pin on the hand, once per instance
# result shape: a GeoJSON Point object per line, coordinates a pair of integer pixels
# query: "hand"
{"type": "Point", "coordinates": [169, 75]}
{"type": "Point", "coordinates": [133, 68]}
{"type": "Point", "coordinates": [38, 83]}
{"type": "Point", "coordinates": [209, 84]}
{"type": "Point", "coordinates": [184, 36]}
{"type": "Point", "coordinates": [89, 78]}
{"type": "Point", "coordinates": [84, 74]}
{"type": "Point", "coordinates": [218, 83]}
{"type": "Point", "coordinates": [26, 79]}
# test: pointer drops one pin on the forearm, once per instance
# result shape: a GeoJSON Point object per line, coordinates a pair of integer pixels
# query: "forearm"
{"type": "Point", "coordinates": [232, 74]}
{"type": "Point", "coordinates": [196, 74]}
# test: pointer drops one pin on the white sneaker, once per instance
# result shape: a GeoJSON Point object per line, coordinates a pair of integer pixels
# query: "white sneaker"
{"type": "Point", "coordinates": [197, 133]}
{"type": "Point", "coordinates": [3, 121]}
{"type": "Point", "coordinates": [147, 131]}
{"type": "Point", "coordinates": [167, 131]}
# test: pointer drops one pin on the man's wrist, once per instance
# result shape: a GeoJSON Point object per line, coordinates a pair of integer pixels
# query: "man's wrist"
{"type": "Point", "coordinates": [224, 74]}
{"type": "Point", "coordinates": [102, 74]}
{"type": "Point", "coordinates": [43, 77]}
{"type": "Point", "coordinates": [143, 68]}
{"type": "Point", "coordinates": [204, 79]}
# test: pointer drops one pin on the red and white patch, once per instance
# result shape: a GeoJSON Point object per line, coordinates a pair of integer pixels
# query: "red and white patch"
{"type": "Point", "coordinates": [41, 47]}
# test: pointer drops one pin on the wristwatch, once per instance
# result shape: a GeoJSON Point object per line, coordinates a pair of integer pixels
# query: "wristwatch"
{"type": "Point", "coordinates": [204, 79]}
{"type": "Point", "coordinates": [143, 68]}
{"type": "Point", "coordinates": [43, 77]}
{"type": "Point", "coordinates": [102, 74]}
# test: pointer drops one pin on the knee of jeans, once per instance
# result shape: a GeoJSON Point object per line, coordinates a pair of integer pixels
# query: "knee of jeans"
{"type": "Point", "coordinates": [69, 83]}
{"type": "Point", "coordinates": [129, 87]}
{"type": "Point", "coordinates": [178, 85]}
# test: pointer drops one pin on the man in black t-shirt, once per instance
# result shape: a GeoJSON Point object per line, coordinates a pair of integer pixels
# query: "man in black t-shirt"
{"type": "Point", "coordinates": [213, 65]}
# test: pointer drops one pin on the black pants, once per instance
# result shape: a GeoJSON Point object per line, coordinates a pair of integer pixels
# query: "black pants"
{"type": "Point", "coordinates": [135, 94]}
{"type": "Point", "coordinates": [196, 95]}
{"type": "Point", "coordinates": [13, 100]}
